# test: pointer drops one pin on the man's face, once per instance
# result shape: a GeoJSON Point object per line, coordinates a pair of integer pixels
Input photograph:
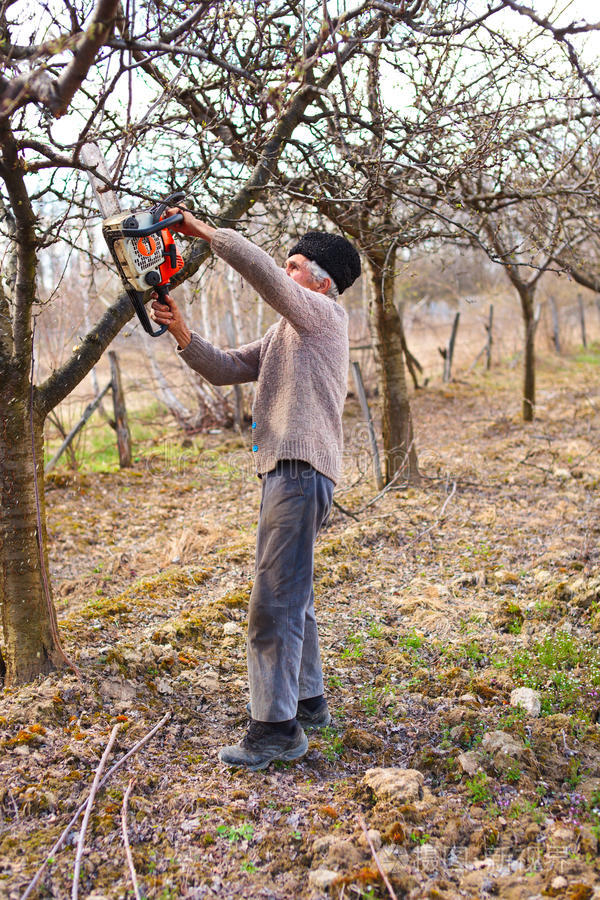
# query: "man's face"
{"type": "Point", "coordinates": [297, 268]}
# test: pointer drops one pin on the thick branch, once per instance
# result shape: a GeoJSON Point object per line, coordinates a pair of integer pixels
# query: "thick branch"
{"type": "Point", "coordinates": [100, 28]}
{"type": "Point", "coordinates": [585, 279]}
{"type": "Point", "coordinates": [57, 93]}
{"type": "Point", "coordinates": [26, 245]}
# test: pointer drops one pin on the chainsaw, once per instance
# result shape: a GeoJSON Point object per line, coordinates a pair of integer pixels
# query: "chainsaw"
{"type": "Point", "coordinates": [145, 253]}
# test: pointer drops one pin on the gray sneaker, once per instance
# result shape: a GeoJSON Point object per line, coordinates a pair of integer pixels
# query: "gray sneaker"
{"type": "Point", "coordinates": [320, 718]}
{"type": "Point", "coordinates": [260, 746]}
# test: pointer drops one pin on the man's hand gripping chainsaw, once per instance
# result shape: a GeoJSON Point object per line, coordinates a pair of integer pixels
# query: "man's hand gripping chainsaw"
{"type": "Point", "coordinates": [145, 253]}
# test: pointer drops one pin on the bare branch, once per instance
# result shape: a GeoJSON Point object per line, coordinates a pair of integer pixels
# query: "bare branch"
{"type": "Point", "coordinates": [88, 810]}
{"type": "Point", "coordinates": [560, 35]}
{"type": "Point", "coordinates": [128, 854]}
{"type": "Point", "coordinates": [57, 93]}
{"type": "Point", "coordinates": [66, 831]}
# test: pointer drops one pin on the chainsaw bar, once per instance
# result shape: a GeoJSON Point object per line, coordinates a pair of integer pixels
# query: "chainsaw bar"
{"type": "Point", "coordinates": [106, 199]}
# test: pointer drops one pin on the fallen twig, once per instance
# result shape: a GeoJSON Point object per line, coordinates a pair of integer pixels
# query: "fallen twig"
{"type": "Point", "coordinates": [378, 496]}
{"type": "Point", "coordinates": [384, 491]}
{"type": "Point", "coordinates": [386, 880]}
{"type": "Point", "coordinates": [345, 511]}
{"type": "Point", "coordinates": [88, 810]}
{"type": "Point", "coordinates": [15, 807]}
{"type": "Point", "coordinates": [136, 888]}
{"type": "Point", "coordinates": [34, 881]}
{"type": "Point", "coordinates": [437, 519]}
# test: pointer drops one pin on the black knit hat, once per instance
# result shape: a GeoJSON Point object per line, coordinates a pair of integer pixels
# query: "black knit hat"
{"type": "Point", "coordinates": [333, 253]}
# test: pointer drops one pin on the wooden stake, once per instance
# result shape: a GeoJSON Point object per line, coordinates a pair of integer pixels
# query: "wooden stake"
{"type": "Point", "coordinates": [448, 353]}
{"type": "Point", "coordinates": [555, 325]}
{"type": "Point", "coordinates": [122, 426]}
{"type": "Point", "coordinates": [582, 320]}
{"type": "Point", "coordinates": [75, 431]}
{"type": "Point", "coordinates": [490, 339]}
{"type": "Point", "coordinates": [360, 389]}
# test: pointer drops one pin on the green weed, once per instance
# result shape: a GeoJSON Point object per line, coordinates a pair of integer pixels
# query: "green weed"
{"type": "Point", "coordinates": [479, 788]}
{"type": "Point", "coordinates": [375, 630]}
{"type": "Point", "coordinates": [574, 774]}
{"type": "Point", "coordinates": [513, 774]}
{"type": "Point", "coordinates": [419, 837]}
{"type": "Point", "coordinates": [369, 702]}
{"type": "Point", "coordinates": [566, 669]}
{"type": "Point", "coordinates": [543, 608]}
{"type": "Point", "coordinates": [473, 651]}
{"type": "Point", "coordinates": [412, 641]}
{"type": "Point", "coordinates": [235, 833]}
{"type": "Point", "coordinates": [589, 354]}
{"type": "Point", "coordinates": [334, 746]}
{"type": "Point", "coordinates": [355, 648]}
{"type": "Point", "coordinates": [510, 718]}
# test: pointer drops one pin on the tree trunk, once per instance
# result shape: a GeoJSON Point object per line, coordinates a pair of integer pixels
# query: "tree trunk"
{"type": "Point", "coordinates": [29, 624]}
{"type": "Point", "coordinates": [397, 430]}
{"type": "Point", "coordinates": [526, 294]}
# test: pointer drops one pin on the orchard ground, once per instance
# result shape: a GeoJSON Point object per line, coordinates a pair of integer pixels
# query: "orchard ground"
{"type": "Point", "coordinates": [434, 602]}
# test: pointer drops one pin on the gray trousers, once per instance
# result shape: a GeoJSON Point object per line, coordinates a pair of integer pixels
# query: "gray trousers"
{"type": "Point", "coordinates": [284, 662]}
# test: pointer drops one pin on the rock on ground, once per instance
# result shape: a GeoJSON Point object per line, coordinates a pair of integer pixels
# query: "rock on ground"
{"type": "Point", "coordinates": [502, 742]}
{"type": "Point", "coordinates": [322, 878]}
{"type": "Point", "coordinates": [527, 699]}
{"type": "Point", "coordinates": [402, 785]}
{"type": "Point", "coordinates": [469, 762]}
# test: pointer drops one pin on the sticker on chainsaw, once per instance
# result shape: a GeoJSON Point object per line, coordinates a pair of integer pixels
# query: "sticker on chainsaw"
{"type": "Point", "coordinates": [145, 253]}
{"type": "Point", "coordinates": [146, 246]}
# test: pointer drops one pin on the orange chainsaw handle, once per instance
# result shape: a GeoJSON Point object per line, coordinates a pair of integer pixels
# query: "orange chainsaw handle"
{"type": "Point", "coordinates": [173, 260]}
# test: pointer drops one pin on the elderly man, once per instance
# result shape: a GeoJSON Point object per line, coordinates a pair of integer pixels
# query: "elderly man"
{"type": "Point", "coordinates": [300, 366]}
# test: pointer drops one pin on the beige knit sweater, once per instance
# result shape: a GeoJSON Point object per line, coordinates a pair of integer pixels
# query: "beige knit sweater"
{"type": "Point", "coordinates": [300, 364]}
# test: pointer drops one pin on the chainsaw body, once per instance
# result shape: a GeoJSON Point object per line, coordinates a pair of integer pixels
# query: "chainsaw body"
{"type": "Point", "coordinates": [145, 253]}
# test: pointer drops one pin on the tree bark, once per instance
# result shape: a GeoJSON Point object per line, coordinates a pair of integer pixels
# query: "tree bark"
{"type": "Point", "coordinates": [29, 623]}
{"type": "Point", "coordinates": [388, 337]}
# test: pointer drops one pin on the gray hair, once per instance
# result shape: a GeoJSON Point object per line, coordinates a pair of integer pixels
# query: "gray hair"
{"type": "Point", "coordinates": [319, 274]}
